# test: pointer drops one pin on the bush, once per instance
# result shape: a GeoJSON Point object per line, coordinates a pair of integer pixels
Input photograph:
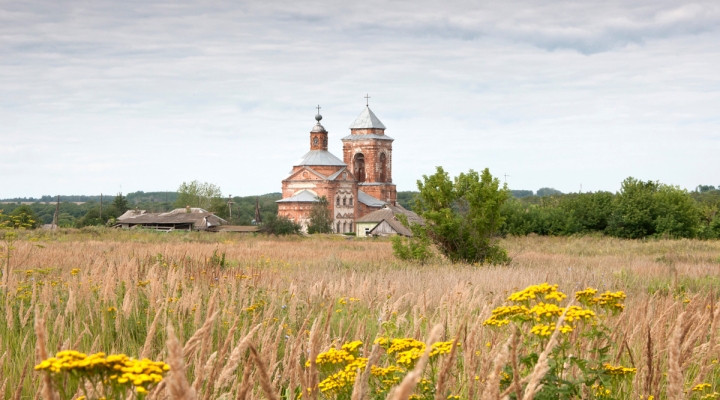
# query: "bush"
{"type": "Point", "coordinates": [462, 216]}
{"type": "Point", "coordinates": [643, 209]}
{"type": "Point", "coordinates": [281, 225]}
{"type": "Point", "coordinates": [415, 248]}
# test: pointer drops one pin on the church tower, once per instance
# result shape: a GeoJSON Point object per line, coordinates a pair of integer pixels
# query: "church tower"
{"type": "Point", "coordinates": [368, 153]}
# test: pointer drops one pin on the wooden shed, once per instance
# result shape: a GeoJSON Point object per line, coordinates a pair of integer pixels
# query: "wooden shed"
{"type": "Point", "coordinates": [384, 222]}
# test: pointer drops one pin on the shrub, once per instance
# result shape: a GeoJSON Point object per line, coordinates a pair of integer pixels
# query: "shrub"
{"type": "Point", "coordinates": [279, 226]}
{"type": "Point", "coordinates": [462, 216]}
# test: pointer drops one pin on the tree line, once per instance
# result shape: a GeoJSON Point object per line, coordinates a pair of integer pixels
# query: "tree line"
{"type": "Point", "coordinates": [640, 209]}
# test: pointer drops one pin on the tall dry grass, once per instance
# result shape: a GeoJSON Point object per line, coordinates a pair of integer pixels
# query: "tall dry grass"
{"type": "Point", "coordinates": [250, 324]}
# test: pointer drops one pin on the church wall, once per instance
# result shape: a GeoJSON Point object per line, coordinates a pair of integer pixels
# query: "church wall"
{"type": "Point", "coordinates": [371, 149]}
{"type": "Point", "coordinates": [344, 213]}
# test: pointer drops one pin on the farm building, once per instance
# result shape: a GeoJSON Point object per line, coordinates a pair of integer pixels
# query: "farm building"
{"type": "Point", "coordinates": [384, 222]}
{"type": "Point", "coordinates": [189, 219]}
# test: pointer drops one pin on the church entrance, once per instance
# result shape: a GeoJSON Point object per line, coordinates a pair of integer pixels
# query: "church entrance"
{"type": "Point", "coordinates": [359, 167]}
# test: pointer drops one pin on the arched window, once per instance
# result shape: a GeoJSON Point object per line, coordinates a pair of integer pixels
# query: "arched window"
{"type": "Point", "coordinates": [344, 201]}
{"type": "Point", "coordinates": [383, 168]}
{"type": "Point", "coordinates": [338, 228]}
{"type": "Point", "coordinates": [351, 200]}
{"type": "Point", "coordinates": [359, 167]}
{"type": "Point", "coordinates": [351, 227]}
{"type": "Point", "coordinates": [344, 227]}
{"type": "Point", "coordinates": [337, 200]}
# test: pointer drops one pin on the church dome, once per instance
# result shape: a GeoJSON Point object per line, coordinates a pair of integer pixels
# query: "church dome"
{"type": "Point", "coordinates": [318, 129]}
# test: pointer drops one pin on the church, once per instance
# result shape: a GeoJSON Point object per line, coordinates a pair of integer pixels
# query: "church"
{"type": "Point", "coordinates": [355, 186]}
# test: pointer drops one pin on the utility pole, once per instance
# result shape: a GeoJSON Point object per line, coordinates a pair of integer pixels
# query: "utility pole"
{"type": "Point", "coordinates": [100, 206]}
{"type": "Point", "coordinates": [230, 203]}
{"type": "Point", "coordinates": [506, 176]}
{"type": "Point", "coordinates": [55, 217]}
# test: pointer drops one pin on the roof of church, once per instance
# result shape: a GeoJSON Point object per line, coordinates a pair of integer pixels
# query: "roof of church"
{"type": "Point", "coordinates": [319, 157]}
{"type": "Point", "coordinates": [318, 128]}
{"type": "Point", "coordinates": [367, 119]}
{"type": "Point", "coordinates": [369, 200]}
{"type": "Point", "coordinates": [303, 196]}
{"type": "Point", "coordinates": [366, 137]}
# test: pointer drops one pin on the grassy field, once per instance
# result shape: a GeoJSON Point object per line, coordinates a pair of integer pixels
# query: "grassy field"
{"type": "Point", "coordinates": [294, 298]}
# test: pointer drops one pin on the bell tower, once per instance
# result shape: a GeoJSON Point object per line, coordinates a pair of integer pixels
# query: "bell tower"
{"type": "Point", "coordinates": [368, 153]}
{"type": "Point", "coordinates": [318, 135]}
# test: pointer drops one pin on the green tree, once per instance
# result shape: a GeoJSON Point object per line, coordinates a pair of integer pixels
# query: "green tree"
{"type": "Point", "coordinates": [678, 215]}
{"type": "Point", "coordinates": [281, 225]}
{"type": "Point", "coordinates": [320, 217]}
{"type": "Point", "coordinates": [462, 216]}
{"type": "Point", "coordinates": [634, 209]}
{"type": "Point", "coordinates": [24, 217]}
{"type": "Point", "coordinates": [197, 194]}
{"type": "Point", "coordinates": [542, 192]}
{"type": "Point", "coordinates": [120, 203]}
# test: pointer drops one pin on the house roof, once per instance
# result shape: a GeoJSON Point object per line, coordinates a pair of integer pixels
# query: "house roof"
{"type": "Point", "coordinates": [319, 157]}
{"type": "Point", "coordinates": [367, 120]}
{"type": "Point", "coordinates": [369, 200]}
{"type": "Point", "coordinates": [396, 225]}
{"type": "Point", "coordinates": [196, 216]}
{"type": "Point", "coordinates": [388, 213]}
{"type": "Point", "coordinates": [303, 196]}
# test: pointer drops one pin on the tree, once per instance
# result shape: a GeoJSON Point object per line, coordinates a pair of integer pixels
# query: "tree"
{"type": "Point", "coordinates": [197, 194]}
{"type": "Point", "coordinates": [320, 217]}
{"type": "Point", "coordinates": [120, 203]}
{"type": "Point", "coordinates": [462, 216]}
{"type": "Point", "coordinates": [634, 209]}
{"type": "Point", "coordinates": [649, 208]}
{"type": "Point", "coordinates": [542, 192]}
{"type": "Point", "coordinates": [279, 226]}
{"type": "Point", "coordinates": [24, 217]}
{"type": "Point", "coordinates": [678, 215]}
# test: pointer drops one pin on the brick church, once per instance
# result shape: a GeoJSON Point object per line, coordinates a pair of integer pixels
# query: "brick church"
{"type": "Point", "coordinates": [355, 186]}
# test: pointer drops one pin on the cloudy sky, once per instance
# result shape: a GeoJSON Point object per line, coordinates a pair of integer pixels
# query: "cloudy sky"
{"type": "Point", "coordinates": [100, 96]}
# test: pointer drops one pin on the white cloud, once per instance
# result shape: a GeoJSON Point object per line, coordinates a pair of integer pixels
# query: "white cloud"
{"type": "Point", "coordinates": [146, 95]}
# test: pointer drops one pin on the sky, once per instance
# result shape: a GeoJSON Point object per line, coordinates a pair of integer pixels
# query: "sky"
{"type": "Point", "coordinates": [108, 96]}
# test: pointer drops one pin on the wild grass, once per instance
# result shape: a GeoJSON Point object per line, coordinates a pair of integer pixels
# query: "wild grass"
{"type": "Point", "coordinates": [242, 314]}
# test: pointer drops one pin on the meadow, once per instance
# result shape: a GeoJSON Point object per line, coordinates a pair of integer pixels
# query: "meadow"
{"type": "Point", "coordinates": [332, 317]}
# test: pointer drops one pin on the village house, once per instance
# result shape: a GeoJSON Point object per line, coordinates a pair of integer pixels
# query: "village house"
{"type": "Point", "coordinates": [179, 219]}
{"type": "Point", "coordinates": [355, 186]}
{"type": "Point", "coordinates": [385, 222]}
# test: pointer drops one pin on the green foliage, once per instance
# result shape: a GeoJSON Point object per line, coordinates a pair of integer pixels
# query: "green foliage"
{"type": "Point", "coordinates": [406, 199]}
{"type": "Point", "coordinates": [219, 206]}
{"type": "Point", "coordinates": [23, 217]}
{"type": "Point", "coordinates": [414, 249]}
{"type": "Point", "coordinates": [197, 194]}
{"type": "Point", "coordinates": [705, 188]}
{"type": "Point", "coordinates": [644, 209]}
{"type": "Point", "coordinates": [542, 192]}
{"type": "Point", "coordinates": [462, 216]}
{"type": "Point", "coordinates": [279, 226]}
{"type": "Point", "coordinates": [633, 216]}
{"type": "Point", "coordinates": [521, 193]}
{"type": "Point", "coordinates": [320, 217]}
{"type": "Point", "coordinates": [120, 203]}
{"type": "Point", "coordinates": [639, 210]}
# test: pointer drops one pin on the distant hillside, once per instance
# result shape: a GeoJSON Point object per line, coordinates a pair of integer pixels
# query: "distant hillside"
{"type": "Point", "coordinates": [133, 198]}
